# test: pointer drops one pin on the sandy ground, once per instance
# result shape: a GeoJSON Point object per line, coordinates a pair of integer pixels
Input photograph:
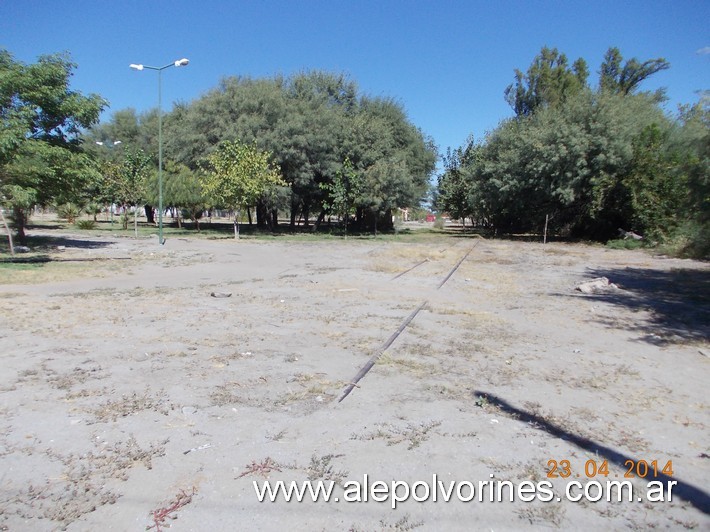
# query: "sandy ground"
{"type": "Point", "coordinates": [130, 397]}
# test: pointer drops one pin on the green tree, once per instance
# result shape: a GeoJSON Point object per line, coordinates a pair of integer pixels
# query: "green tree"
{"type": "Point", "coordinates": [41, 159]}
{"type": "Point", "coordinates": [127, 183]}
{"type": "Point", "coordinates": [457, 188]}
{"type": "Point", "coordinates": [396, 158]}
{"type": "Point", "coordinates": [182, 192]}
{"type": "Point", "coordinates": [656, 190]}
{"type": "Point", "coordinates": [625, 79]}
{"type": "Point", "coordinates": [343, 192]}
{"type": "Point", "coordinates": [237, 175]}
{"type": "Point", "coordinates": [574, 155]}
{"type": "Point", "coordinates": [548, 82]}
{"type": "Point", "coordinates": [310, 122]}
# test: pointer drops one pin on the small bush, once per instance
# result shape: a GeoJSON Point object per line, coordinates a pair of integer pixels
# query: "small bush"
{"type": "Point", "coordinates": [86, 224]}
{"type": "Point", "coordinates": [68, 212]}
{"type": "Point", "coordinates": [439, 222]}
{"type": "Point", "coordinates": [691, 239]}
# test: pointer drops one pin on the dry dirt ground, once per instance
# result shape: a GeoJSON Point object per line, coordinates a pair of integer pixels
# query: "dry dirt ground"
{"type": "Point", "coordinates": [130, 397]}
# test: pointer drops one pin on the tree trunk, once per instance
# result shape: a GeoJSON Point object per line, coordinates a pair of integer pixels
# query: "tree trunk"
{"type": "Point", "coordinates": [9, 232]}
{"type": "Point", "coordinates": [294, 211]}
{"type": "Point", "coordinates": [306, 214]}
{"type": "Point", "coordinates": [261, 215]}
{"type": "Point", "coordinates": [20, 221]}
{"type": "Point", "coordinates": [149, 214]}
{"type": "Point", "coordinates": [237, 213]}
{"type": "Point", "coordinates": [319, 220]}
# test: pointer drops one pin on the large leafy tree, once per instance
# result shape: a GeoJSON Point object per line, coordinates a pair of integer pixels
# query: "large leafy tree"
{"type": "Point", "coordinates": [40, 120]}
{"type": "Point", "coordinates": [590, 160]}
{"type": "Point", "coordinates": [395, 157]}
{"type": "Point", "coordinates": [237, 175]}
{"type": "Point", "coordinates": [456, 188]}
{"type": "Point", "coordinates": [311, 122]}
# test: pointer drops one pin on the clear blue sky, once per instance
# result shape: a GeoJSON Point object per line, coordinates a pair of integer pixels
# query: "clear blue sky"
{"type": "Point", "coordinates": [447, 62]}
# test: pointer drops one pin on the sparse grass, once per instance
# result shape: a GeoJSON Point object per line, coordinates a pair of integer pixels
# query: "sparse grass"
{"type": "Point", "coordinates": [322, 469]}
{"type": "Point", "coordinates": [414, 367]}
{"type": "Point", "coordinates": [54, 271]}
{"type": "Point", "coordinates": [403, 524]}
{"type": "Point", "coordinates": [129, 405]}
{"type": "Point", "coordinates": [413, 434]}
{"type": "Point", "coordinates": [277, 436]}
{"type": "Point", "coordinates": [83, 485]}
{"type": "Point", "coordinates": [314, 388]}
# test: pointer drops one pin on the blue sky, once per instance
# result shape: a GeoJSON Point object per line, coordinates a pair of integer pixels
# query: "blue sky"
{"type": "Point", "coordinates": [447, 62]}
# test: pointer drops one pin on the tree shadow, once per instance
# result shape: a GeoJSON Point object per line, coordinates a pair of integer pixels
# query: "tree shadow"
{"type": "Point", "coordinates": [678, 300]}
{"type": "Point", "coordinates": [683, 490]}
{"type": "Point", "coordinates": [45, 242]}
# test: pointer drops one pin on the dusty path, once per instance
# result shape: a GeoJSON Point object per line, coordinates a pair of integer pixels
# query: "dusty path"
{"type": "Point", "coordinates": [127, 389]}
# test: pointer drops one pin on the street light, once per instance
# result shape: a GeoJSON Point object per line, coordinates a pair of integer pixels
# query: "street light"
{"type": "Point", "coordinates": [178, 63]}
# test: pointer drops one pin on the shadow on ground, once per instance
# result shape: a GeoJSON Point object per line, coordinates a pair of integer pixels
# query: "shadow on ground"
{"type": "Point", "coordinates": [678, 300]}
{"type": "Point", "coordinates": [688, 492]}
{"type": "Point", "coordinates": [48, 243]}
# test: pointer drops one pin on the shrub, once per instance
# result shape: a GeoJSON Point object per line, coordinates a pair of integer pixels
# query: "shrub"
{"type": "Point", "coordinates": [86, 224]}
{"type": "Point", "coordinates": [68, 212]}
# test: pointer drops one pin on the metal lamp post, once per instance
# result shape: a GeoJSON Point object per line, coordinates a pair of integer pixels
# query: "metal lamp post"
{"type": "Point", "coordinates": [178, 63]}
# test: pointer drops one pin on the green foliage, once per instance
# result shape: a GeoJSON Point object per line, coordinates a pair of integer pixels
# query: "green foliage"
{"type": "Point", "coordinates": [549, 81]}
{"type": "Point", "coordinates": [342, 192]}
{"type": "Point", "coordinates": [86, 225]}
{"type": "Point", "coordinates": [628, 243]}
{"type": "Point", "coordinates": [40, 155]}
{"type": "Point", "coordinates": [237, 175]}
{"type": "Point", "coordinates": [181, 190]}
{"type": "Point", "coordinates": [310, 122]}
{"type": "Point", "coordinates": [93, 209]}
{"type": "Point", "coordinates": [590, 162]}
{"type": "Point", "coordinates": [457, 192]}
{"type": "Point", "coordinates": [655, 189]}
{"type": "Point", "coordinates": [69, 212]}
{"type": "Point", "coordinates": [625, 80]}
{"type": "Point", "coordinates": [126, 182]}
